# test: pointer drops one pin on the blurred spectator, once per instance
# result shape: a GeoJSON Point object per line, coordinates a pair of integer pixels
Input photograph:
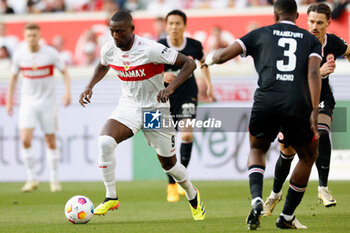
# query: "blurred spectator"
{"type": "Point", "coordinates": [4, 53]}
{"type": "Point", "coordinates": [90, 57]}
{"type": "Point", "coordinates": [5, 8]}
{"type": "Point", "coordinates": [92, 5]}
{"type": "Point", "coordinates": [110, 7]}
{"type": "Point", "coordinates": [159, 29]}
{"type": "Point", "coordinates": [339, 8]}
{"type": "Point", "coordinates": [58, 43]}
{"type": "Point", "coordinates": [53, 5]}
{"type": "Point", "coordinates": [213, 4]}
{"type": "Point", "coordinates": [133, 5]}
{"type": "Point", "coordinates": [216, 40]}
{"type": "Point", "coordinates": [162, 7]}
{"type": "Point", "coordinates": [87, 50]}
{"type": "Point", "coordinates": [34, 6]}
{"type": "Point", "coordinates": [10, 42]}
{"type": "Point", "coordinates": [5, 60]}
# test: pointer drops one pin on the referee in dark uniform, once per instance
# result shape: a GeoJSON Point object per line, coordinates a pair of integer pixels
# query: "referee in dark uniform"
{"type": "Point", "coordinates": [183, 102]}
{"type": "Point", "coordinates": [287, 59]}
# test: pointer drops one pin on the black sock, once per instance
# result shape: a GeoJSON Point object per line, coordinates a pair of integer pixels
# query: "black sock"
{"type": "Point", "coordinates": [108, 199]}
{"type": "Point", "coordinates": [194, 203]}
{"type": "Point", "coordinates": [185, 152]}
{"type": "Point", "coordinates": [171, 179]}
{"type": "Point", "coordinates": [282, 168]}
{"type": "Point", "coordinates": [324, 155]}
{"type": "Point", "coordinates": [256, 178]}
{"type": "Point", "coordinates": [294, 196]}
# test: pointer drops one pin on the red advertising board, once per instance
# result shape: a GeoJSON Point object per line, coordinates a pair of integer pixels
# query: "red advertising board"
{"type": "Point", "coordinates": [199, 25]}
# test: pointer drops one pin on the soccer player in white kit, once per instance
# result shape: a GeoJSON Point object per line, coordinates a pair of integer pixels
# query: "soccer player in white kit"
{"type": "Point", "coordinates": [139, 63]}
{"type": "Point", "coordinates": [36, 62]}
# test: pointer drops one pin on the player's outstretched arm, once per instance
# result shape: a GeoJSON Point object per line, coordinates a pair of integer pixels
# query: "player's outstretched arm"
{"type": "Point", "coordinates": [314, 81]}
{"type": "Point", "coordinates": [67, 84]}
{"type": "Point", "coordinates": [223, 55]}
{"type": "Point", "coordinates": [187, 67]}
{"type": "Point", "coordinates": [10, 94]}
{"type": "Point", "coordinates": [99, 72]}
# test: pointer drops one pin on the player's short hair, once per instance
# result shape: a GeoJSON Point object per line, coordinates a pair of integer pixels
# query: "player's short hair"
{"type": "Point", "coordinates": [321, 8]}
{"type": "Point", "coordinates": [32, 26]}
{"type": "Point", "coordinates": [179, 13]}
{"type": "Point", "coordinates": [122, 16]}
{"type": "Point", "coordinates": [286, 6]}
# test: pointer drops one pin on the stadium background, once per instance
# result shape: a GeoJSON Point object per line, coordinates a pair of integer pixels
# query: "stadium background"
{"type": "Point", "coordinates": [216, 155]}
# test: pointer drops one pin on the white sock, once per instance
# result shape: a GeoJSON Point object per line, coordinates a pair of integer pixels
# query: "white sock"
{"type": "Point", "coordinates": [320, 188]}
{"type": "Point", "coordinates": [180, 175]}
{"type": "Point", "coordinates": [287, 217]}
{"type": "Point", "coordinates": [107, 163]}
{"type": "Point", "coordinates": [256, 199]}
{"type": "Point", "coordinates": [53, 159]}
{"type": "Point", "coordinates": [274, 195]}
{"type": "Point", "coordinates": [29, 162]}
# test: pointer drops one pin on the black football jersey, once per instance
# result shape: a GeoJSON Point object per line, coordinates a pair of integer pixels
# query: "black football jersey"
{"type": "Point", "coordinates": [281, 53]}
{"type": "Point", "coordinates": [191, 48]}
{"type": "Point", "coordinates": [333, 47]}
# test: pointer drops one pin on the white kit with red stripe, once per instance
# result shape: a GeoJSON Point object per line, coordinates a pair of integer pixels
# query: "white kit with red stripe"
{"type": "Point", "coordinates": [38, 85]}
{"type": "Point", "coordinates": [140, 69]}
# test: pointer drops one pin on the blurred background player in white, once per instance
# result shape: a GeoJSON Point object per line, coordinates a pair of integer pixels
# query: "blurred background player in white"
{"type": "Point", "coordinates": [183, 102]}
{"type": "Point", "coordinates": [139, 64]}
{"type": "Point", "coordinates": [318, 20]}
{"type": "Point", "coordinates": [38, 101]}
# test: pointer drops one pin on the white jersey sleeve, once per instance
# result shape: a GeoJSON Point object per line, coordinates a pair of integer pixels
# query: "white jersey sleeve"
{"type": "Point", "coordinates": [15, 69]}
{"type": "Point", "coordinates": [162, 54]}
{"type": "Point", "coordinates": [103, 59]}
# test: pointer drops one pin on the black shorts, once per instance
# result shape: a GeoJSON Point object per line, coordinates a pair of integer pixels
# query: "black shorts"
{"type": "Point", "coordinates": [327, 105]}
{"type": "Point", "coordinates": [295, 130]}
{"type": "Point", "coordinates": [181, 108]}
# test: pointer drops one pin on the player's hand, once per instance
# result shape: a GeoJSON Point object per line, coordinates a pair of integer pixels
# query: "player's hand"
{"type": "Point", "coordinates": [163, 95]}
{"type": "Point", "coordinates": [66, 99]}
{"type": "Point", "coordinates": [85, 97]}
{"type": "Point", "coordinates": [327, 68]}
{"type": "Point", "coordinates": [313, 122]}
{"type": "Point", "coordinates": [9, 109]}
{"type": "Point", "coordinates": [169, 77]}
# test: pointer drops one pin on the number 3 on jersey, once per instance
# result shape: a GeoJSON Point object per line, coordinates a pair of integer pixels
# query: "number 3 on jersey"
{"type": "Point", "coordinates": [289, 52]}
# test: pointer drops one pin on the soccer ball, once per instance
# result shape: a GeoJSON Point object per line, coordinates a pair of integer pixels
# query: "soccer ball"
{"type": "Point", "coordinates": [79, 209]}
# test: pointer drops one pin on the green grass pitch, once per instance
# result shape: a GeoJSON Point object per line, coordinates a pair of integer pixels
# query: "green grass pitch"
{"type": "Point", "coordinates": [143, 208]}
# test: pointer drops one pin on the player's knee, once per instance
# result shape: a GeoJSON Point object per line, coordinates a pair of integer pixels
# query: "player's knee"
{"type": "Point", "coordinates": [26, 143]}
{"type": "Point", "coordinates": [167, 163]}
{"type": "Point", "coordinates": [186, 136]}
{"type": "Point", "coordinates": [287, 151]}
{"type": "Point", "coordinates": [106, 145]}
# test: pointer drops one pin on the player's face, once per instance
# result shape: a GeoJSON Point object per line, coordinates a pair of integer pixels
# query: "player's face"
{"type": "Point", "coordinates": [318, 24]}
{"type": "Point", "coordinates": [122, 33]}
{"type": "Point", "coordinates": [175, 26]}
{"type": "Point", "coordinates": [32, 36]}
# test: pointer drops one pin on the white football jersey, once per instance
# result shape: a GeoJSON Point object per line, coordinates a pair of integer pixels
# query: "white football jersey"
{"type": "Point", "coordinates": [140, 69]}
{"type": "Point", "coordinates": [38, 84]}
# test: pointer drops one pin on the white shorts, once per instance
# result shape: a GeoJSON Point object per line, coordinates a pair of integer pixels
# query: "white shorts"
{"type": "Point", "coordinates": [46, 115]}
{"type": "Point", "coordinates": [163, 141]}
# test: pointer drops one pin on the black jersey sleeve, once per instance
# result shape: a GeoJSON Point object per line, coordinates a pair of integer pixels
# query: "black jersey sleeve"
{"type": "Point", "coordinates": [316, 47]}
{"type": "Point", "coordinates": [248, 42]}
{"type": "Point", "coordinates": [198, 50]}
{"type": "Point", "coordinates": [340, 46]}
